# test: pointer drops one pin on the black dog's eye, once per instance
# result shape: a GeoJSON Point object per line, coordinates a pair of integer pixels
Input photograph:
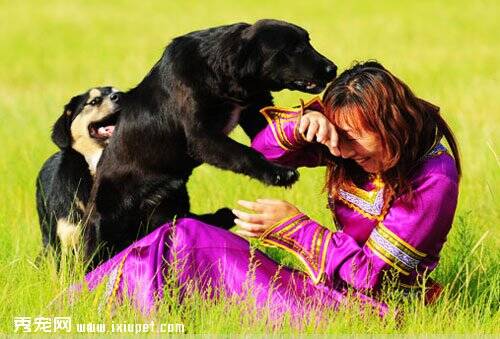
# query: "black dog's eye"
{"type": "Point", "coordinates": [96, 101]}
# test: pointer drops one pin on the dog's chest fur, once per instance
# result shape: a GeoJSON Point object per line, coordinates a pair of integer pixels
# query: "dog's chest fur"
{"type": "Point", "coordinates": [233, 118]}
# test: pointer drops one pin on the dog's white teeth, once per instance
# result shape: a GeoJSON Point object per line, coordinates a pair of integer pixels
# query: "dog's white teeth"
{"type": "Point", "coordinates": [311, 86]}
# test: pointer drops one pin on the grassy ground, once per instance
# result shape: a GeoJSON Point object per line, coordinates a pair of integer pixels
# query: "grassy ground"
{"type": "Point", "coordinates": [447, 51]}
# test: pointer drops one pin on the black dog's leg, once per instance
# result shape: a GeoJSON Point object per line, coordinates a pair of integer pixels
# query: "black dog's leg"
{"type": "Point", "coordinates": [252, 121]}
{"type": "Point", "coordinates": [93, 254]}
{"type": "Point", "coordinates": [108, 210]}
{"type": "Point", "coordinates": [223, 218]}
{"type": "Point", "coordinates": [221, 151]}
{"type": "Point", "coordinates": [128, 206]}
{"type": "Point", "coordinates": [162, 205]}
{"type": "Point", "coordinates": [163, 198]}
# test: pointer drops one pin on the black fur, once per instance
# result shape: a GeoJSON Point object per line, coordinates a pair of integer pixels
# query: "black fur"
{"type": "Point", "coordinates": [64, 182]}
{"type": "Point", "coordinates": [177, 118]}
{"type": "Point", "coordinates": [63, 178]}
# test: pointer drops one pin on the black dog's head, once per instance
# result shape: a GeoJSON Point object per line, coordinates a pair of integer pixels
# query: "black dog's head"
{"type": "Point", "coordinates": [88, 121]}
{"type": "Point", "coordinates": [278, 54]}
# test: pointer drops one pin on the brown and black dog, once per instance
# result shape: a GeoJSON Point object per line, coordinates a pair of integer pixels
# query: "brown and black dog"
{"type": "Point", "coordinates": [65, 180]}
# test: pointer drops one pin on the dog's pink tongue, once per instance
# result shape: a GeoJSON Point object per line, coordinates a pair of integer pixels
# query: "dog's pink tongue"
{"type": "Point", "coordinates": [106, 131]}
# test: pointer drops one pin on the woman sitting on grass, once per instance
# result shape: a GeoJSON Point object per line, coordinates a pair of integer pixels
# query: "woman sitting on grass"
{"type": "Point", "coordinates": [392, 188]}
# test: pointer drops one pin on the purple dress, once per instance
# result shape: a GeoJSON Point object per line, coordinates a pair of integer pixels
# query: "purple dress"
{"type": "Point", "coordinates": [374, 236]}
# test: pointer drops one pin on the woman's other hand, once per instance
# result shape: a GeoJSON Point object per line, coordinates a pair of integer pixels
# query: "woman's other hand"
{"type": "Point", "coordinates": [315, 124]}
{"type": "Point", "coordinates": [267, 212]}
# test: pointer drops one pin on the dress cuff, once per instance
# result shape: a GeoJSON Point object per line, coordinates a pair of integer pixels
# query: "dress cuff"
{"type": "Point", "coordinates": [305, 239]}
{"type": "Point", "coordinates": [285, 122]}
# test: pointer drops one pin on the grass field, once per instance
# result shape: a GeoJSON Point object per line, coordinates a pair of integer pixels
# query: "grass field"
{"type": "Point", "coordinates": [447, 51]}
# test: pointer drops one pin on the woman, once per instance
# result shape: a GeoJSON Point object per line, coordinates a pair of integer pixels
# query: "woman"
{"type": "Point", "coordinates": [393, 190]}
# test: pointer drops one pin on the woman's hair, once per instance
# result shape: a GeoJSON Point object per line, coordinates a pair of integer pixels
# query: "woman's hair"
{"type": "Point", "coordinates": [367, 96]}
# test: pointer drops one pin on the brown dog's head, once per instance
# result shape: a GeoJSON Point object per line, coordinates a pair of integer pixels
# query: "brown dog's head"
{"type": "Point", "coordinates": [88, 122]}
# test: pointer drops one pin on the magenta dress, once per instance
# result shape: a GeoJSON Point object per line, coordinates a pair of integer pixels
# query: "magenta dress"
{"type": "Point", "coordinates": [373, 236]}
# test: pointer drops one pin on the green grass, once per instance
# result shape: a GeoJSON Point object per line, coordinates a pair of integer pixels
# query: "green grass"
{"type": "Point", "coordinates": [447, 51]}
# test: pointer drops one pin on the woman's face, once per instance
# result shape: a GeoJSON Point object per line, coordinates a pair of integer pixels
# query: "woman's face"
{"type": "Point", "coordinates": [362, 146]}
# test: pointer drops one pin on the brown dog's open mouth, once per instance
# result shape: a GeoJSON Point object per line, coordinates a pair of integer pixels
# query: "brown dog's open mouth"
{"type": "Point", "coordinates": [104, 128]}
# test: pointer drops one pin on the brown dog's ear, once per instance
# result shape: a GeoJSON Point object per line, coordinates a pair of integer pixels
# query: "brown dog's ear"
{"type": "Point", "coordinates": [61, 131]}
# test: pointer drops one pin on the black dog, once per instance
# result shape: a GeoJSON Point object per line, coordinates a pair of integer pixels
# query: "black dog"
{"type": "Point", "coordinates": [65, 181]}
{"type": "Point", "coordinates": [179, 117]}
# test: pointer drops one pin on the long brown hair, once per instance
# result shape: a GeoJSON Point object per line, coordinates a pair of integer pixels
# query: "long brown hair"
{"type": "Point", "coordinates": [368, 96]}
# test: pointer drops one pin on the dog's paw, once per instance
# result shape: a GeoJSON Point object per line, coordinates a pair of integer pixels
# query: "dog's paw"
{"type": "Point", "coordinates": [282, 176]}
{"type": "Point", "coordinates": [223, 218]}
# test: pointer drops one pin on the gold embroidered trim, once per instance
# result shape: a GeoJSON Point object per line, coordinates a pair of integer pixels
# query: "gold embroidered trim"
{"type": "Point", "coordinates": [276, 115]}
{"type": "Point", "coordinates": [393, 250]}
{"type": "Point", "coordinates": [387, 257]}
{"type": "Point", "coordinates": [308, 258]}
{"type": "Point", "coordinates": [397, 241]}
{"type": "Point", "coordinates": [369, 197]}
{"type": "Point", "coordinates": [282, 221]}
{"type": "Point", "coordinates": [273, 130]}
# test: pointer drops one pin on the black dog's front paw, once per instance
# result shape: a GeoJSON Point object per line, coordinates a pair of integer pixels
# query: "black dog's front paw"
{"type": "Point", "coordinates": [223, 218]}
{"type": "Point", "coordinates": [281, 176]}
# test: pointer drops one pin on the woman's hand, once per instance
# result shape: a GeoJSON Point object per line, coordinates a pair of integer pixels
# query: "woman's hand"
{"type": "Point", "coordinates": [267, 213]}
{"type": "Point", "coordinates": [315, 124]}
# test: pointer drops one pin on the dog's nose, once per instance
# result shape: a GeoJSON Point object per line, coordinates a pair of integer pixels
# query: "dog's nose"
{"type": "Point", "coordinates": [114, 97]}
{"type": "Point", "coordinates": [331, 71]}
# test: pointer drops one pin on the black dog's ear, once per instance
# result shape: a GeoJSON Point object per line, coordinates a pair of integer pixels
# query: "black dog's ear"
{"type": "Point", "coordinates": [251, 59]}
{"type": "Point", "coordinates": [61, 131]}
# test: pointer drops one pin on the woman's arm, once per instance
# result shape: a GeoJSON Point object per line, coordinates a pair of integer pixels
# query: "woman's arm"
{"type": "Point", "coordinates": [289, 137]}
{"type": "Point", "coordinates": [408, 240]}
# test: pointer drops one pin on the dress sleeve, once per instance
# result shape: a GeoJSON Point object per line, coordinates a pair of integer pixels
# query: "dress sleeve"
{"type": "Point", "coordinates": [408, 240]}
{"type": "Point", "coordinates": [280, 141]}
